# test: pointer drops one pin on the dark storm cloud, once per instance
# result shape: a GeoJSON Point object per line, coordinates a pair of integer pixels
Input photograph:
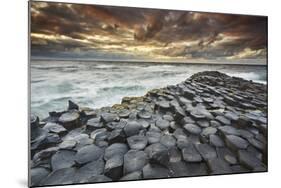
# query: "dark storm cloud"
{"type": "Point", "coordinates": [146, 33]}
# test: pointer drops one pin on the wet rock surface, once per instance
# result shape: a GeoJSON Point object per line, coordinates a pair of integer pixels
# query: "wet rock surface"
{"type": "Point", "coordinates": [209, 124]}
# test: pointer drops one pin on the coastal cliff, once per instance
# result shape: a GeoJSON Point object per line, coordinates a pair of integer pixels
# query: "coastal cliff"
{"type": "Point", "coordinates": [210, 123]}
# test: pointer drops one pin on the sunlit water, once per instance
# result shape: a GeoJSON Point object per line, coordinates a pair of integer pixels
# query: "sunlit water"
{"type": "Point", "coordinates": [98, 84]}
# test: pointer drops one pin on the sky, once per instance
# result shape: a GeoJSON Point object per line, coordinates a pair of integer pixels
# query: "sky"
{"type": "Point", "coordinates": [123, 33]}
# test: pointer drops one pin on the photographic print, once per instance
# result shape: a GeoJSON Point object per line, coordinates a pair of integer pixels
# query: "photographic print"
{"type": "Point", "coordinates": [124, 93]}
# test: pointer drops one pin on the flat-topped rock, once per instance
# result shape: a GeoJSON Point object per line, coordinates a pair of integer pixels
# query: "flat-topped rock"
{"type": "Point", "coordinates": [216, 141]}
{"type": "Point", "coordinates": [87, 171]}
{"type": "Point", "coordinates": [94, 123]}
{"type": "Point", "coordinates": [88, 153]}
{"type": "Point", "coordinates": [223, 120]}
{"type": "Point", "coordinates": [134, 160]}
{"type": "Point", "coordinates": [219, 166]}
{"type": "Point", "coordinates": [70, 119]}
{"type": "Point", "coordinates": [206, 151]}
{"type": "Point", "coordinates": [63, 159]}
{"type": "Point", "coordinates": [68, 144]}
{"type": "Point", "coordinates": [137, 175]}
{"type": "Point", "coordinates": [109, 117]}
{"type": "Point", "coordinates": [236, 142]}
{"type": "Point", "coordinates": [60, 177]}
{"type": "Point", "coordinates": [192, 129]}
{"type": "Point", "coordinates": [137, 142]}
{"type": "Point", "coordinates": [162, 124]}
{"type": "Point", "coordinates": [114, 167]}
{"type": "Point", "coordinates": [158, 153]}
{"type": "Point", "coordinates": [152, 171]}
{"type": "Point", "coordinates": [249, 160]}
{"type": "Point", "coordinates": [153, 137]}
{"type": "Point", "coordinates": [116, 136]}
{"type": "Point", "coordinates": [190, 154]}
{"type": "Point", "coordinates": [37, 175]}
{"type": "Point", "coordinates": [168, 141]}
{"type": "Point", "coordinates": [99, 134]}
{"type": "Point", "coordinates": [132, 128]}
{"type": "Point", "coordinates": [118, 149]}
{"type": "Point", "coordinates": [55, 128]}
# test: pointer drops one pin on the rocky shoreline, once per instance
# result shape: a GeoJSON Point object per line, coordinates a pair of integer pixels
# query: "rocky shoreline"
{"type": "Point", "coordinates": [209, 124]}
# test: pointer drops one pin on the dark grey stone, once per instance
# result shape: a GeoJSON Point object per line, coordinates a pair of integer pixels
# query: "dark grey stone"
{"type": "Point", "coordinates": [63, 159]}
{"type": "Point", "coordinates": [88, 153]}
{"type": "Point", "coordinates": [158, 153]}
{"type": "Point", "coordinates": [60, 177]}
{"type": "Point", "coordinates": [109, 117]}
{"type": "Point", "coordinates": [67, 144]}
{"type": "Point", "coordinates": [153, 137]}
{"type": "Point", "coordinates": [116, 136]}
{"type": "Point", "coordinates": [218, 166]}
{"type": "Point", "coordinates": [230, 159]}
{"type": "Point", "coordinates": [232, 116]}
{"type": "Point", "coordinates": [132, 128]}
{"type": "Point", "coordinates": [144, 115]}
{"type": "Point", "coordinates": [203, 123]}
{"type": "Point", "coordinates": [192, 129]}
{"type": "Point", "coordinates": [236, 142]}
{"type": "Point", "coordinates": [228, 130]}
{"type": "Point", "coordinates": [137, 142]}
{"type": "Point", "coordinates": [70, 119]}
{"type": "Point", "coordinates": [94, 123]}
{"type": "Point", "coordinates": [137, 175]}
{"type": "Point", "coordinates": [216, 141]}
{"type": "Point", "coordinates": [208, 131]}
{"type": "Point", "coordinates": [72, 106]}
{"type": "Point", "coordinates": [190, 154]}
{"type": "Point", "coordinates": [152, 171]}
{"type": "Point", "coordinates": [223, 120]}
{"type": "Point", "coordinates": [206, 151]}
{"type": "Point", "coordinates": [84, 173]}
{"type": "Point", "coordinates": [99, 179]}
{"type": "Point", "coordinates": [114, 167]}
{"type": "Point", "coordinates": [162, 124]}
{"type": "Point", "coordinates": [249, 160]}
{"type": "Point", "coordinates": [134, 160]}
{"type": "Point", "coordinates": [37, 175]}
{"type": "Point", "coordinates": [55, 128]}
{"type": "Point", "coordinates": [174, 155]}
{"type": "Point", "coordinates": [99, 134]}
{"type": "Point", "coordinates": [118, 149]}
{"type": "Point", "coordinates": [124, 113]}
{"type": "Point", "coordinates": [168, 141]}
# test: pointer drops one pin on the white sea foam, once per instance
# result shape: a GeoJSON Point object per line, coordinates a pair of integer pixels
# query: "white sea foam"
{"type": "Point", "coordinates": [96, 84]}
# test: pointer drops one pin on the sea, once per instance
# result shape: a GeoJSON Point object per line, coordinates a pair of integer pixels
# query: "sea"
{"type": "Point", "coordinates": [97, 84]}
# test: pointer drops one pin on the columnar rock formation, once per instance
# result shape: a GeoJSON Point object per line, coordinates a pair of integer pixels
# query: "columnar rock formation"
{"type": "Point", "coordinates": [209, 124]}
